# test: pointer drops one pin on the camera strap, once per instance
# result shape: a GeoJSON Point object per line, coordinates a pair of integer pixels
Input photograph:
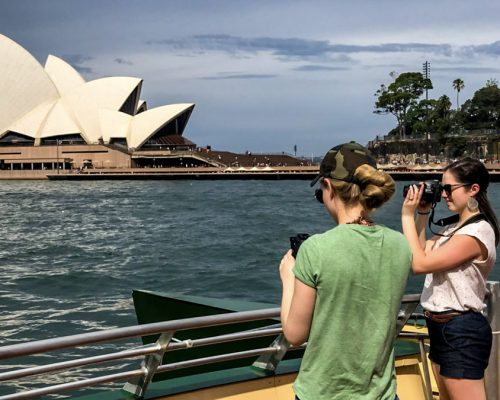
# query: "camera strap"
{"type": "Point", "coordinates": [453, 219]}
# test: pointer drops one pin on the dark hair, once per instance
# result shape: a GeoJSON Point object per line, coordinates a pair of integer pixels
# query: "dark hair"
{"type": "Point", "coordinates": [469, 170]}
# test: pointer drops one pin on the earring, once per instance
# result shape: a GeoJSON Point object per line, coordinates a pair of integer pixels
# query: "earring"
{"type": "Point", "coordinates": [472, 204]}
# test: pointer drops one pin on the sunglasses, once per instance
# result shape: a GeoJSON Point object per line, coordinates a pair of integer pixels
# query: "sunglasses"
{"type": "Point", "coordinates": [318, 193]}
{"type": "Point", "coordinates": [449, 188]}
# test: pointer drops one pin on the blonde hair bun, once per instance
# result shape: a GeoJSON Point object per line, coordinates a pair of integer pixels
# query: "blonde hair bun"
{"type": "Point", "coordinates": [372, 188]}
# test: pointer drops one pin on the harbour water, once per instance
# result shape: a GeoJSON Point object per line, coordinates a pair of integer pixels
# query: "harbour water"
{"type": "Point", "coordinates": [71, 252]}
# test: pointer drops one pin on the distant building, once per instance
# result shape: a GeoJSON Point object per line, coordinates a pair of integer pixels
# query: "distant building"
{"type": "Point", "coordinates": [51, 118]}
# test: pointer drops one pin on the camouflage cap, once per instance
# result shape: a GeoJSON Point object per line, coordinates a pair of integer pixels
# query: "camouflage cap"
{"type": "Point", "coordinates": [341, 162]}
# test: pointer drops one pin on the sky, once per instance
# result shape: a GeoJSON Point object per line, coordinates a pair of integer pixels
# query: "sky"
{"type": "Point", "coordinates": [267, 75]}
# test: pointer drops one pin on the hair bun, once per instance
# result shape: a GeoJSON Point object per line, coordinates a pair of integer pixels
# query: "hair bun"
{"type": "Point", "coordinates": [376, 187]}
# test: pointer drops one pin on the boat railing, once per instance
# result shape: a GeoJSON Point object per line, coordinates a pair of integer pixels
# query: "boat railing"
{"type": "Point", "coordinates": [151, 355]}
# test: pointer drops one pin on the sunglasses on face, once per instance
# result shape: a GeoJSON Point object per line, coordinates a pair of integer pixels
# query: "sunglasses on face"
{"type": "Point", "coordinates": [318, 193]}
{"type": "Point", "coordinates": [449, 188]}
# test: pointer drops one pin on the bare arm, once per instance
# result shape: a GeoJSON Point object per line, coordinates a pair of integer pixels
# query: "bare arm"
{"type": "Point", "coordinates": [297, 304]}
{"type": "Point", "coordinates": [458, 250]}
{"type": "Point", "coordinates": [420, 224]}
{"type": "Point", "coordinates": [455, 252]}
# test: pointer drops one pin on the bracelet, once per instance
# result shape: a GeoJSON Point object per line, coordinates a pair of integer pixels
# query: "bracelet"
{"type": "Point", "coordinates": [423, 213]}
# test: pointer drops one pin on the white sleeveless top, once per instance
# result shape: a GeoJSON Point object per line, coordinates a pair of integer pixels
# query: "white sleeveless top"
{"type": "Point", "coordinates": [464, 287]}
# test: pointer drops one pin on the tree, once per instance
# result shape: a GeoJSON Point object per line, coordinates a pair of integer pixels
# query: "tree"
{"type": "Point", "coordinates": [483, 110]}
{"type": "Point", "coordinates": [492, 82]}
{"type": "Point", "coordinates": [457, 146]}
{"type": "Point", "coordinates": [458, 85]}
{"type": "Point", "coordinates": [430, 116]}
{"type": "Point", "coordinates": [418, 117]}
{"type": "Point", "coordinates": [399, 96]}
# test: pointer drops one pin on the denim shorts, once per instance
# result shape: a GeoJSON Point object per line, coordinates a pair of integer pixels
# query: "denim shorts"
{"type": "Point", "coordinates": [461, 347]}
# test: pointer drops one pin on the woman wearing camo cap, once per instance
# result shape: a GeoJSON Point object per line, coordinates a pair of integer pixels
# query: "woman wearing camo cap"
{"type": "Point", "coordinates": [343, 293]}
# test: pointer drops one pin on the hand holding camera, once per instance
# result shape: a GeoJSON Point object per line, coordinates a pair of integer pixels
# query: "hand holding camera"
{"type": "Point", "coordinates": [296, 241]}
{"type": "Point", "coordinates": [432, 191]}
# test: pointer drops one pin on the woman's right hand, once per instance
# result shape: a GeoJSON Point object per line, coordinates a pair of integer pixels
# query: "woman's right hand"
{"type": "Point", "coordinates": [423, 207]}
{"type": "Point", "coordinates": [286, 266]}
{"type": "Point", "coordinates": [413, 200]}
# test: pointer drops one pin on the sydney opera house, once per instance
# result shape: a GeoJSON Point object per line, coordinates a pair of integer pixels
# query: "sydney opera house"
{"type": "Point", "coordinates": [51, 118]}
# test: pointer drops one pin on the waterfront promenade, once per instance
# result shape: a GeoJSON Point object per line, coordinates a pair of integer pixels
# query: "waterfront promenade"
{"type": "Point", "coordinates": [220, 173]}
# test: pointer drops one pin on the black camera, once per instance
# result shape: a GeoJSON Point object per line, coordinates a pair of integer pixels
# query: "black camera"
{"type": "Point", "coordinates": [432, 191]}
{"type": "Point", "coordinates": [296, 241]}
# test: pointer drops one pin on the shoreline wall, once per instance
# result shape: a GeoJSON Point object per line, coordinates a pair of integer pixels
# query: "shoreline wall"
{"type": "Point", "coordinates": [209, 173]}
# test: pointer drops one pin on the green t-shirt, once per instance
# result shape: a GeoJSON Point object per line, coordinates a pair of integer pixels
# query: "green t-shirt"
{"type": "Point", "coordinates": [359, 273]}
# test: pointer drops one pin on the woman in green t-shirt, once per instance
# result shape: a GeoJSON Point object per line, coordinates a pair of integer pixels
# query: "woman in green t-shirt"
{"type": "Point", "coordinates": [343, 292]}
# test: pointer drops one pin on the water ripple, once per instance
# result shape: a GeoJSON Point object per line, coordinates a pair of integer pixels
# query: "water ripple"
{"type": "Point", "coordinates": [72, 252]}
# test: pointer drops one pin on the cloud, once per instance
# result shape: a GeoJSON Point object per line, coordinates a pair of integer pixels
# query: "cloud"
{"type": "Point", "coordinates": [122, 61]}
{"type": "Point", "coordinates": [468, 70]}
{"type": "Point", "coordinates": [84, 70]}
{"type": "Point", "coordinates": [314, 68]}
{"type": "Point", "coordinates": [294, 48]}
{"type": "Point", "coordinates": [75, 60]}
{"type": "Point", "coordinates": [489, 49]}
{"type": "Point", "coordinates": [239, 76]}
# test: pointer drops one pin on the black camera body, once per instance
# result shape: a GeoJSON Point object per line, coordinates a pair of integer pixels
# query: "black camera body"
{"type": "Point", "coordinates": [296, 241]}
{"type": "Point", "coordinates": [432, 191]}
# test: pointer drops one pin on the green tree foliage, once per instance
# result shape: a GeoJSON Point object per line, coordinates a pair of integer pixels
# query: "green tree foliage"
{"type": "Point", "coordinates": [420, 118]}
{"type": "Point", "coordinates": [430, 117]}
{"type": "Point", "coordinates": [399, 96]}
{"type": "Point", "coordinates": [457, 145]}
{"type": "Point", "coordinates": [416, 117]}
{"type": "Point", "coordinates": [483, 110]}
{"type": "Point", "coordinates": [441, 118]}
{"type": "Point", "coordinates": [491, 82]}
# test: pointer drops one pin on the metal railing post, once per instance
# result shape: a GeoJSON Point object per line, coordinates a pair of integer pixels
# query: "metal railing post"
{"type": "Point", "coordinates": [408, 306]}
{"type": "Point", "coordinates": [425, 367]}
{"type": "Point", "coordinates": [267, 363]}
{"type": "Point", "coordinates": [149, 365]}
{"type": "Point", "coordinates": [491, 376]}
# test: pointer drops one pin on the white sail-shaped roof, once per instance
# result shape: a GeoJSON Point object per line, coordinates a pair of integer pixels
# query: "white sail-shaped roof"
{"type": "Point", "coordinates": [147, 123]}
{"type": "Point", "coordinates": [114, 124]}
{"type": "Point", "coordinates": [42, 103]}
{"type": "Point", "coordinates": [58, 122]}
{"type": "Point", "coordinates": [64, 76]}
{"type": "Point", "coordinates": [24, 84]}
{"type": "Point", "coordinates": [48, 119]}
{"type": "Point", "coordinates": [31, 122]}
{"type": "Point", "coordinates": [141, 106]}
{"type": "Point", "coordinates": [106, 93]}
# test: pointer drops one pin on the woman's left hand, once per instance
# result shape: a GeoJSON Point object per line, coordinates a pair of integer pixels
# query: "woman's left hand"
{"type": "Point", "coordinates": [286, 266]}
{"type": "Point", "coordinates": [412, 200]}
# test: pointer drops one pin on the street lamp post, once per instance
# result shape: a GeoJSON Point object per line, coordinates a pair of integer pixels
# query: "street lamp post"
{"type": "Point", "coordinates": [426, 68]}
{"type": "Point", "coordinates": [57, 155]}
